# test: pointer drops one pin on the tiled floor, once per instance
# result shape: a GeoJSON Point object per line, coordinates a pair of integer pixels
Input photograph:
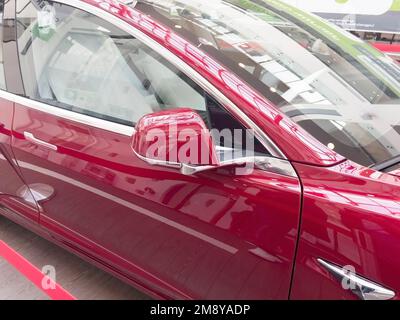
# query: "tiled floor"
{"type": "Point", "coordinates": [79, 278]}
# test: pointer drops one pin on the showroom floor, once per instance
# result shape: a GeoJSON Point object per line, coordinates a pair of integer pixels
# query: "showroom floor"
{"type": "Point", "coordinates": [80, 279]}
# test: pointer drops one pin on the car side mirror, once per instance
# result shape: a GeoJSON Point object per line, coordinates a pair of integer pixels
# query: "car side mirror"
{"type": "Point", "coordinates": [176, 138]}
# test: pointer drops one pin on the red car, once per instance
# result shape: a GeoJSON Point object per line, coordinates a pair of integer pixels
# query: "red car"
{"type": "Point", "coordinates": [308, 207]}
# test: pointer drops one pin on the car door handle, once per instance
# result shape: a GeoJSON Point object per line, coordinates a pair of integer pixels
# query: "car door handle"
{"type": "Point", "coordinates": [31, 138]}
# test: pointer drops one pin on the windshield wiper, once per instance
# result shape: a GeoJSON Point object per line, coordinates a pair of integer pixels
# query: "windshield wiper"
{"type": "Point", "coordinates": [386, 164]}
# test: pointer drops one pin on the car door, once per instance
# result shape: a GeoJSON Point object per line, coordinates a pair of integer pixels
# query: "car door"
{"type": "Point", "coordinates": [217, 234]}
{"type": "Point", "coordinates": [16, 199]}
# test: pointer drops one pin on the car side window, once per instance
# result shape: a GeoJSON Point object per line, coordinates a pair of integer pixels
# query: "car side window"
{"type": "Point", "coordinates": [72, 59]}
{"type": "Point", "coordinates": [3, 27]}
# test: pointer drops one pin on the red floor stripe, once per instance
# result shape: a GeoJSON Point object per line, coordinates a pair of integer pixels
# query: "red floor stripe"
{"type": "Point", "coordinates": [32, 273]}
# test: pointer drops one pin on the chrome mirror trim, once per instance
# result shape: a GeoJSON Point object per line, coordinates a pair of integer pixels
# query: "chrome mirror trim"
{"type": "Point", "coordinates": [269, 164]}
{"type": "Point", "coordinates": [189, 170]}
{"type": "Point", "coordinates": [161, 163]}
{"type": "Point", "coordinates": [361, 287]}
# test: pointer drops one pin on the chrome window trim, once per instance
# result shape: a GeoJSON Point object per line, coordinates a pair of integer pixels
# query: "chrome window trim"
{"type": "Point", "coordinates": [271, 147]}
{"type": "Point", "coordinates": [69, 115]}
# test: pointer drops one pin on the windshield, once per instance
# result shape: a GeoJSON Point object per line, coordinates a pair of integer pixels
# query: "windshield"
{"type": "Point", "coordinates": [340, 89]}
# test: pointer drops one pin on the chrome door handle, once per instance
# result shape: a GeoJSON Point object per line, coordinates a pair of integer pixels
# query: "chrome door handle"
{"type": "Point", "coordinates": [31, 138]}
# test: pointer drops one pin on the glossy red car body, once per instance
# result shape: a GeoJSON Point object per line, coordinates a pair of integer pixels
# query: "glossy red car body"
{"type": "Point", "coordinates": [211, 235]}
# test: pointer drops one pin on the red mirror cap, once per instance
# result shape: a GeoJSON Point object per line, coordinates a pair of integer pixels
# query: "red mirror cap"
{"type": "Point", "coordinates": [175, 136]}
